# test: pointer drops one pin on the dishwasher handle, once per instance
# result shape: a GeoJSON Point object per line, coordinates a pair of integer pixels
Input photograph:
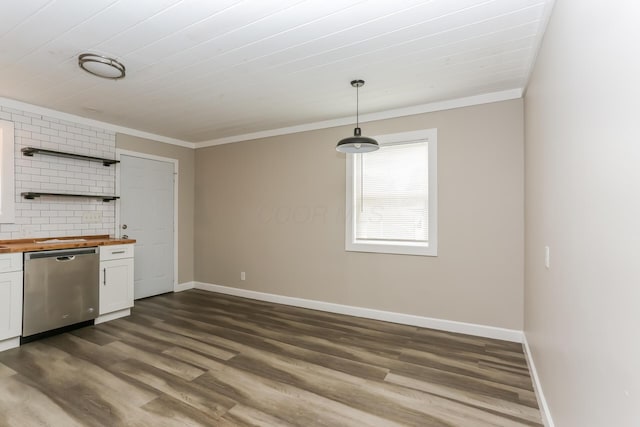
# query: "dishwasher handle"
{"type": "Point", "coordinates": [61, 254]}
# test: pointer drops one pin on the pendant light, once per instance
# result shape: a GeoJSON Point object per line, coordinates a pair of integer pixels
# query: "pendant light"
{"type": "Point", "coordinates": [357, 143]}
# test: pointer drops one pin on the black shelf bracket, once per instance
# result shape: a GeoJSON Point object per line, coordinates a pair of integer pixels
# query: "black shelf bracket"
{"type": "Point", "coordinates": [30, 195]}
{"type": "Point", "coordinates": [30, 151]}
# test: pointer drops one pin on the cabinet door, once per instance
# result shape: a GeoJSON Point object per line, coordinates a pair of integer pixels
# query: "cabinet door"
{"type": "Point", "coordinates": [116, 285]}
{"type": "Point", "coordinates": [10, 304]}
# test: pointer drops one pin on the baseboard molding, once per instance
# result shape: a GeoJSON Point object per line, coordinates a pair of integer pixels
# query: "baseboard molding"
{"type": "Point", "coordinates": [537, 386]}
{"type": "Point", "coordinates": [184, 286]}
{"type": "Point", "coordinates": [112, 316]}
{"type": "Point", "coordinates": [369, 313]}
{"type": "Point", "coordinates": [9, 343]}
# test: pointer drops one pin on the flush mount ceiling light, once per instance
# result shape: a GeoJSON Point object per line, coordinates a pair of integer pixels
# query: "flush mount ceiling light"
{"type": "Point", "coordinates": [101, 66]}
{"type": "Point", "coordinates": [357, 143]}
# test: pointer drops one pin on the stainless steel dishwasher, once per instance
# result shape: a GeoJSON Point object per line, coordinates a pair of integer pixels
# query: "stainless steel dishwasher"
{"type": "Point", "coordinates": [60, 289]}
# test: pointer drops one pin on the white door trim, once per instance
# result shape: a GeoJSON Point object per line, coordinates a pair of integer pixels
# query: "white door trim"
{"type": "Point", "coordinates": [118, 232]}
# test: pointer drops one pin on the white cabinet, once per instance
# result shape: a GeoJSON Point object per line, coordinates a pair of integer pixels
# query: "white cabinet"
{"type": "Point", "coordinates": [116, 278]}
{"type": "Point", "coordinates": [10, 296]}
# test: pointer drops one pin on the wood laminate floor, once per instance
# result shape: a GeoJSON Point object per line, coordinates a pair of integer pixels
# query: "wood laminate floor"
{"type": "Point", "coordinates": [203, 359]}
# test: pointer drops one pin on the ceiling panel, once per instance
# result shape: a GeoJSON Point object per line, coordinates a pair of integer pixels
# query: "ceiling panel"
{"type": "Point", "coordinates": [199, 70]}
{"type": "Point", "coordinates": [44, 25]}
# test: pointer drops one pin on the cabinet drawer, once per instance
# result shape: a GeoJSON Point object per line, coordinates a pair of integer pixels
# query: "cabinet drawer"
{"type": "Point", "coordinates": [11, 262]}
{"type": "Point", "coordinates": [115, 252]}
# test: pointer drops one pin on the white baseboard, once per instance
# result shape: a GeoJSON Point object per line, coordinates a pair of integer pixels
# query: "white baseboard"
{"type": "Point", "coordinates": [9, 344]}
{"type": "Point", "coordinates": [369, 313]}
{"type": "Point", "coordinates": [112, 316]}
{"type": "Point", "coordinates": [184, 286]}
{"type": "Point", "coordinates": [537, 386]}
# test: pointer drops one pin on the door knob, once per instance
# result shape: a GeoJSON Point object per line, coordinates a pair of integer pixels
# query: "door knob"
{"type": "Point", "coordinates": [124, 226]}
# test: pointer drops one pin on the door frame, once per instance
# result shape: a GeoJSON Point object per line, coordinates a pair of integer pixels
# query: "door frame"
{"type": "Point", "coordinates": [118, 231]}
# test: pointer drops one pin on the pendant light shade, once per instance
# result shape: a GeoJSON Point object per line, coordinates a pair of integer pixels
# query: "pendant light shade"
{"type": "Point", "coordinates": [357, 143]}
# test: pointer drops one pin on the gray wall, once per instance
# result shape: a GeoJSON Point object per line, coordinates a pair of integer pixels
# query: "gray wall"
{"type": "Point", "coordinates": [583, 201]}
{"type": "Point", "coordinates": [274, 208]}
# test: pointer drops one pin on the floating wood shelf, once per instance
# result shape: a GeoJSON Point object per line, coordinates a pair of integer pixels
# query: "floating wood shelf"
{"type": "Point", "coordinates": [30, 151]}
{"type": "Point", "coordinates": [30, 195]}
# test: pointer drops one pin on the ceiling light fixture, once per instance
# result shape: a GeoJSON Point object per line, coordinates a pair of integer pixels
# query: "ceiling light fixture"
{"type": "Point", "coordinates": [101, 66]}
{"type": "Point", "coordinates": [357, 143]}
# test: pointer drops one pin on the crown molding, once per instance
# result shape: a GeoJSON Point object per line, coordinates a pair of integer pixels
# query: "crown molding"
{"type": "Point", "coordinates": [36, 109]}
{"type": "Point", "coordinates": [382, 115]}
{"type": "Point", "coordinates": [469, 101]}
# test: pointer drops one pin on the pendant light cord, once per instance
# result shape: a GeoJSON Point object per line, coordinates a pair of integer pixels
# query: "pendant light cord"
{"type": "Point", "coordinates": [361, 159]}
{"type": "Point", "coordinates": [357, 106]}
{"type": "Point", "coordinates": [361, 183]}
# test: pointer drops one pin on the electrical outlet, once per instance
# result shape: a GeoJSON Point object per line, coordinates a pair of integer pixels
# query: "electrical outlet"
{"type": "Point", "coordinates": [92, 217]}
{"type": "Point", "coordinates": [243, 276]}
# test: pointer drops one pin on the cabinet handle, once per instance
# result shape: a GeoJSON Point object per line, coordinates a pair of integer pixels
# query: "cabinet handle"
{"type": "Point", "coordinates": [117, 252]}
{"type": "Point", "coordinates": [104, 277]}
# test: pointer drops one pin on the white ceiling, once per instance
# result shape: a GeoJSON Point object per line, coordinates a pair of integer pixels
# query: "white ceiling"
{"type": "Point", "coordinates": [205, 70]}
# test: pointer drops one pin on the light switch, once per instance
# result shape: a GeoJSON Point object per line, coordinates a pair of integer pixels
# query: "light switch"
{"type": "Point", "coordinates": [547, 257]}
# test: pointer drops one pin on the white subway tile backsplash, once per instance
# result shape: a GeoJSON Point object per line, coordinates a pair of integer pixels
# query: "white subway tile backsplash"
{"type": "Point", "coordinates": [41, 123]}
{"type": "Point", "coordinates": [66, 134]}
{"type": "Point", "coordinates": [49, 145]}
{"type": "Point", "coordinates": [40, 178]}
{"type": "Point", "coordinates": [40, 137]}
{"type": "Point", "coordinates": [29, 127]}
{"type": "Point", "coordinates": [50, 132]}
{"type": "Point", "coordinates": [59, 216]}
{"type": "Point", "coordinates": [20, 118]}
{"type": "Point", "coordinates": [29, 114]}
{"type": "Point", "coordinates": [21, 220]}
{"type": "Point", "coordinates": [50, 172]}
{"type": "Point", "coordinates": [31, 170]}
{"type": "Point", "coordinates": [58, 180]}
{"type": "Point", "coordinates": [10, 228]}
{"type": "Point", "coordinates": [57, 140]}
{"type": "Point", "coordinates": [22, 176]}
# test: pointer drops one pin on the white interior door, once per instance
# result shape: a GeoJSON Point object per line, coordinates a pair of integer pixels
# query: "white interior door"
{"type": "Point", "coordinates": [147, 215]}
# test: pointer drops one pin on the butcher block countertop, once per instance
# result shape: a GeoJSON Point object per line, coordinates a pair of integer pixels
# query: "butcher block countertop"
{"type": "Point", "coordinates": [46, 243]}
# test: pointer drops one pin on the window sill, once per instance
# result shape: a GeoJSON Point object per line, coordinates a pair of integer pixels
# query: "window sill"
{"type": "Point", "coordinates": [393, 248]}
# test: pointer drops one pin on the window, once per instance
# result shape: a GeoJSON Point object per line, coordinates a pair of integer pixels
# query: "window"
{"type": "Point", "coordinates": [7, 191]}
{"type": "Point", "coordinates": [392, 195]}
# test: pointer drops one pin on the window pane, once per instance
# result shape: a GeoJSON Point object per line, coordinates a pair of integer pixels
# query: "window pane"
{"type": "Point", "coordinates": [392, 193]}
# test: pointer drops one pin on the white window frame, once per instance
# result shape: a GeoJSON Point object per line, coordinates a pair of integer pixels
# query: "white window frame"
{"type": "Point", "coordinates": [403, 248]}
{"type": "Point", "coordinates": [7, 190]}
